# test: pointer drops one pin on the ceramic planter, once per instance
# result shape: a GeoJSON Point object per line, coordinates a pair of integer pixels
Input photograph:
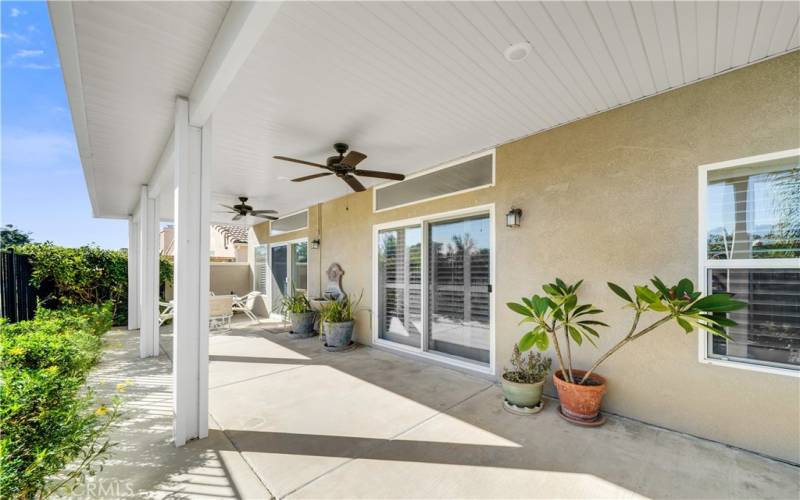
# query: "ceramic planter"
{"type": "Point", "coordinates": [302, 323]}
{"type": "Point", "coordinates": [338, 334]}
{"type": "Point", "coordinates": [520, 394]}
{"type": "Point", "coordinates": [580, 403]}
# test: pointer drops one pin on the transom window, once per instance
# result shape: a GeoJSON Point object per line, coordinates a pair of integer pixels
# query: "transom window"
{"type": "Point", "coordinates": [750, 247]}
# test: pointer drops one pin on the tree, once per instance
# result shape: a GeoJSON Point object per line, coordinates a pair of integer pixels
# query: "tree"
{"type": "Point", "coordinates": [11, 236]}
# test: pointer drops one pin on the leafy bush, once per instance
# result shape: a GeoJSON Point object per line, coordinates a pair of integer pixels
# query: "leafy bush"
{"type": "Point", "coordinates": [295, 303]}
{"type": "Point", "coordinates": [340, 311]}
{"type": "Point", "coordinates": [87, 275]}
{"type": "Point", "coordinates": [48, 419]}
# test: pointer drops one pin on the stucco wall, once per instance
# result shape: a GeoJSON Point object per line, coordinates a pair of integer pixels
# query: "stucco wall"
{"type": "Point", "coordinates": [614, 198]}
{"type": "Point", "coordinates": [230, 277]}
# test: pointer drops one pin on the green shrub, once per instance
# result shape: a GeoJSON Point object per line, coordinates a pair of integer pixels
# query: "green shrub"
{"type": "Point", "coordinates": [48, 419]}
{"type": "Point", "coordinates": [87, 275]}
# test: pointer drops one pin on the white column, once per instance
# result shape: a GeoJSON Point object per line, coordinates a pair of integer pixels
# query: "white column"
{"type": "Point", "coordinates": [133, 272]}
{"type": "Point", "coordinates": [193, 158]}
{"type": "Point", "coordinates": [148, 274]}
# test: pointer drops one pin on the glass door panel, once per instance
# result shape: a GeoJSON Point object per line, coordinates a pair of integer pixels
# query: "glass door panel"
{"type": "Point", "coordinates": [400, 285]}
{"type": "Point", "coordinates": [279, 270]}
{"type": "Point", "coordinates": [458, 287]}
{"type": "Point", "coordinates": [300, 266]}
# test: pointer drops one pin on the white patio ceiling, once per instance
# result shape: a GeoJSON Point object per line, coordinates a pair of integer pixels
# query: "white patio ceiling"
{"type": "Point", "coordinates": [409, 84]}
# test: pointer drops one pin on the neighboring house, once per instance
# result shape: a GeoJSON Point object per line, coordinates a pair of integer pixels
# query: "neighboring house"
{"type": "Point", "coordinates": [227, 242]}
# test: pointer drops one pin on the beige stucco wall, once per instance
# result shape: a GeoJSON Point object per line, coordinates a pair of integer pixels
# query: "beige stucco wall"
{"type": "Point", "coordinates": [227, 277]}
{"type": "Point", "coordinates": [614, 198]}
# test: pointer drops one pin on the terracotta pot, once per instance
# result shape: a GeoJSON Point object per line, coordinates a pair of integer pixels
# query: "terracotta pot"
{"type": "Point", "coordinates": [580, 402]}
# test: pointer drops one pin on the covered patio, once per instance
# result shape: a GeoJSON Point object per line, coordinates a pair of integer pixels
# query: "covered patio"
{"type": "Point", "coordinates": [601, 128]}
{"type": "Point", "coordinates": [287, 419]}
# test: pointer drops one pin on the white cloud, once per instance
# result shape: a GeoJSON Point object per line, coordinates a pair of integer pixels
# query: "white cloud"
{"type": "Point", "coordinates": [40, 66]}
{"type": "Point", "coordinates": [25, 53]}
{"type": "Point", "coordinates": [15, 12]}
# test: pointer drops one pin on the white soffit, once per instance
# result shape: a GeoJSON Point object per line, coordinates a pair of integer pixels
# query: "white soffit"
{"type": "Point", "coordinates": [411, 85]}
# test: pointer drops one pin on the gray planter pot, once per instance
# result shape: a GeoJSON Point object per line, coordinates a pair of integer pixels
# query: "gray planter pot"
{"type": "Point", "coordinates": [338, 334]}
{"type": "Point", "coordinates": [526, 395]}
{"type": "Point", "coordinates": [302, 323]}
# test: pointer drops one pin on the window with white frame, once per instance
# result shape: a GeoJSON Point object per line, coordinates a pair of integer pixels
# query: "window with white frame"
{"type": "Point", "coordinates": [260, 269]}
{"type": "Point", "coordinates": [750, 247]}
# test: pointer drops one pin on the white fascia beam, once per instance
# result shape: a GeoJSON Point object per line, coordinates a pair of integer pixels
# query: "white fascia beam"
{"type": "Point", "coordinates": [242, 28]}
{"type": "Point", "coordinates": [63, 21]}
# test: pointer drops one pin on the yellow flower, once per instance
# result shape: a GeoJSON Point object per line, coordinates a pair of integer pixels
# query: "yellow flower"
{"type": "Point", "coordinates": [121, 386]}
{"type": "Point", "coordinates": [51, 370]}
{"type": "Point", "coordinates": [101, 411]}
{"type": "Point", "coordinates": [16, 351]}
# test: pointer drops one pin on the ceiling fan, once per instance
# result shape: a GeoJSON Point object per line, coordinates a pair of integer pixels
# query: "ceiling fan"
{"type": "Point", "coordinates": [343, 166]}
{"type": "Point", "coordinates": [243, 210]}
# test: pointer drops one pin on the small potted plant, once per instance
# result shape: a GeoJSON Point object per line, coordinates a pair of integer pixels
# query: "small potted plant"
{"type": "Point", "coordinates": [558, 317]}
{"type": "Point", "coordinates": [523, 383]}
{"type": "Point", "coordinates": [298, 310]}
{"type": "Point", "coordinates": [337, 318]}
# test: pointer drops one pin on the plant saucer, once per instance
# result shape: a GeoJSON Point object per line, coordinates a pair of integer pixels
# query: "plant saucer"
{"type": "Point", "coordinates": [599, 420]}
{"type": "Point", "coordinates": [343, 348]}
{"type": "Point", "coordinates": [522, 410]}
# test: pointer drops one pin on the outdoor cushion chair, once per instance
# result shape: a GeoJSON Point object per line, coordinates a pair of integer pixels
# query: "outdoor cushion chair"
{"type": "Point", "coordinates": [220, 312]}
{"type": "Point", "coordinates": [166, 311]}
{"type": "Point", "coordinates": [245, 305]}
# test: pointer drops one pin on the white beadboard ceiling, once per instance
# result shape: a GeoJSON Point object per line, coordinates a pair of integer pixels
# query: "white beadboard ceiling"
{"type": "Point", "coordinates": [411, 84]}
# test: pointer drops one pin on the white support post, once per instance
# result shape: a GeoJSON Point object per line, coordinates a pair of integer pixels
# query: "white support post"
{"type": "Point", "coordinates": [133, 272]}
{"type": "Point", "coordinates": [193, 158]}
{"type": "Point", "coordinates": [148, 274]}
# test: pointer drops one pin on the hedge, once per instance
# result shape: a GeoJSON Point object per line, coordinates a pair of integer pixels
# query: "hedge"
{"type": "Point", "coordinates": [49, 419]}
{"type": "Point", "coordinates": [86, 275]}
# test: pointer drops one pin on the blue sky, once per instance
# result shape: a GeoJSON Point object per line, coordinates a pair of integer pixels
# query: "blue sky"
{"type": "Point", "coordinates": [42, 185]}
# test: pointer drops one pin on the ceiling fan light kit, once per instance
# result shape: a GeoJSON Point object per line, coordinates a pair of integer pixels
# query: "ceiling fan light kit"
{"type": "Point", "coordinates": [343, 165]}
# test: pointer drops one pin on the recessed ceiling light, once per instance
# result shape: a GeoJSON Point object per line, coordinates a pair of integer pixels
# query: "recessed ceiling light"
{"type": "Point", "coordinates": [518, 51]}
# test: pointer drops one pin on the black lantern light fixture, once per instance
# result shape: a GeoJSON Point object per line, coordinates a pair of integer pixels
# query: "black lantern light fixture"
{"type": "Point", "coordinates": [513, 217]}
{"type": "Point", "coordinates": [315, 244]}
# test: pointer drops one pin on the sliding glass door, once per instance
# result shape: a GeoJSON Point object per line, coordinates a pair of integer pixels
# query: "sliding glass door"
{"type": "Point", "coordinates": [400, 285]}
{"type": "Point", "coordinates": [458, 287]}
{"type": "Point", "coordinates": [288, 269]}
{"type": "Point", "coordinates": [433, 287]}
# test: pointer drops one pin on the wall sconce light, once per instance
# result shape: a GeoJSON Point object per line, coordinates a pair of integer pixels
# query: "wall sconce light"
{"type": "Point", "coordinates": [315, 244]}
{"type": "Point", "coordinates": [513, 217]}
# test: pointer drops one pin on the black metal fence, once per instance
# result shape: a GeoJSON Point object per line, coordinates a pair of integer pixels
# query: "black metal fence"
{"type": "Point", "coordinates": [17, 295]}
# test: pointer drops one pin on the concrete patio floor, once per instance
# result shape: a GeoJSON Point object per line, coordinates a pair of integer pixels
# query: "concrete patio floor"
{"type": "Point", "coordinates": [291, 420]}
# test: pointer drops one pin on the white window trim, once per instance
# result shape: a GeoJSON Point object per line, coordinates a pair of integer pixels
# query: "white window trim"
{"type": "Point", "coordinates": [420, 351]}
{"type": "Point", "coordinates": [285, 216]}
{"type": "Point", "coordinates": [704, 263]}
{"type": "Point", "coordinates": [435, 169]}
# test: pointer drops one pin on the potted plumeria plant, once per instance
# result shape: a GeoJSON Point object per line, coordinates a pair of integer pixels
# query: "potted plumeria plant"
{"type": "Point", "coordinates": [298, 310]}
{"type": "Point", "coordinates": [558, 318]}
{"type": "Point", "coordinates": [523, 383]}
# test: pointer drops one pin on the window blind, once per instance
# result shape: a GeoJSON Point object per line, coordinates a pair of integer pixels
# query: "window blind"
{"type": "Point", "coordinates": [400, 285]}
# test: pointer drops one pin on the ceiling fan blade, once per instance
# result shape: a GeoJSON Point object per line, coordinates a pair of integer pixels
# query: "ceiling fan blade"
{"type": "Point", "coordinates": [227, 206]}
{"type": "Point", "coordinates": [353, 183]}
{"type": "Point", "coordinates": [262, 216]}
{"type": "Point", "coordinates": [353, 158]}
{"type": "Point", "coordinates": [295, 160]}
{"type": "Point", "coordinates": [380, 175]}
{"type": "Point", "coordinates": [255, 212]}
{"type": "Point", "coordinates": [237, 217]}
{"type": "Point", "coordinates": [309, 177]}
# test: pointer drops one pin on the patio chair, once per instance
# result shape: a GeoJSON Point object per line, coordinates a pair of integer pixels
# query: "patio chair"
{"type": "Point", "coordinates": [246, 304]}
{"type": "Point", "coordinates": [220, 312]}
{"type": "Point", "coordinates": [166, 312]}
